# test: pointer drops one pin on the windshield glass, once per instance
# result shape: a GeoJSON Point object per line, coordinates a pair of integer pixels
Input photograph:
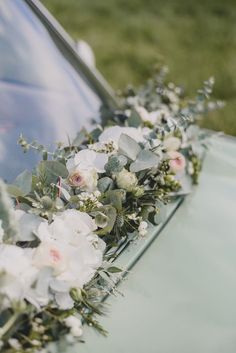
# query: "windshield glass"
{"type": "Point", "coordinates": [41, 94]}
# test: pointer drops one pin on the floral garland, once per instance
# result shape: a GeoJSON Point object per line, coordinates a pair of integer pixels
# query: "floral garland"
{"type": "Point", "coordinates": [82, 202]}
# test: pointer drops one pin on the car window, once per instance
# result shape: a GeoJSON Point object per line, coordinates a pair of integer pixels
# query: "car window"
{"type": "Point", "coordinates": [41, 94]}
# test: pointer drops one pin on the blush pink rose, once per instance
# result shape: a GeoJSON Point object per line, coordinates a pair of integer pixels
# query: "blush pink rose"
{"type": "Point", "coordinates": [177, 161]}
{"type": "Point", "coordinates": [84, 179]}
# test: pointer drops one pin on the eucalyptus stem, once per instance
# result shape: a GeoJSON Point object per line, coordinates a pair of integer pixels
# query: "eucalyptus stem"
{"type": "Point", "coordinates": [8, 325]}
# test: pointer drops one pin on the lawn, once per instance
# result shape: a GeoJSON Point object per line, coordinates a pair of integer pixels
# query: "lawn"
{"type": "Point", "coordinates": [195, 38]}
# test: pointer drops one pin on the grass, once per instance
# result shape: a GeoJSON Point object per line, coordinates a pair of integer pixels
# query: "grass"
{"type": "Point", "coordinates": [195, 38]}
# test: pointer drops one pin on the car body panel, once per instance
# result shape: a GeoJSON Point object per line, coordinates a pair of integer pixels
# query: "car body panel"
{"type": "Point", "coordinates": [180, 296]}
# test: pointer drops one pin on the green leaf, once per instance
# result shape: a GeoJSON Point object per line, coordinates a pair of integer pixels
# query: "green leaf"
{"type": "Point", "coordinates": [113, 269]}
{"type": "Point", "coordinates": [145, 160]}
{"type": "Point", "coordinates": [101, 220]}
{"type": "Point", "coordinates": [14, 191]}
{"type": "Point", "coordinates": [51, 170]}
{"type": "Point", "coordinates": [116, 198]}
{"type": "Point", "coordinates": [128, 147]}
{"type": "Point", "coordinates": [134, 119]}
{"type": "Point", "coordinates": [110, 213]}
{"type": "Point", "coordinates": [146, 210]}
{"type": "Point", "coordinates": [115, 164]}
{"type": "Point", "coordinates": [95, 133]}
{"type": "Point", "coordinates": [80, 138]}
{"type": "Point", "coordinates": [24, 182]}
{"type": "Point", "coordinates": [105, 184]}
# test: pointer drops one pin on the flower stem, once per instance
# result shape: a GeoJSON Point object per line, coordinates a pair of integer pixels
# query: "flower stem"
{"type": "Point", "coordinates": [8, 325]}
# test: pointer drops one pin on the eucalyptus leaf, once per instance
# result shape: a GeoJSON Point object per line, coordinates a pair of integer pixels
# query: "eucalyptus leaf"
{"type": "Point", "coordinates": [96, 133]}
{"type": "Point", "coordinates": [146, 210]}
{"type": "Point", "coordinates": [24, 182]}
{"type": "Point", "coordinates": [105, 184]}
{"type": "Point", "coordinates": [145, 160]}
{"type": "Point", "coordinates": [116, 198]}
{"type": "Point", "coordinates": [128, 147]}
{"type": "Point", "coordinates": [28, 223]}
{"type": "Point", "coordinates": [80, 138]}
{"type": "Point", "coordinates": [101, 220]}
{"type": "Point", "coordinates": [113, 269]}
{"type": "Point", "coordinates": [51, 170]}
{"type": "Point", "coordinates": [134, 119]}
{"type": "Point", "coordinates": [14, 191]}
{"type": "Point", "coordinates": [110, 212]}
{"type": "Point", "coordinates": [115, 164]}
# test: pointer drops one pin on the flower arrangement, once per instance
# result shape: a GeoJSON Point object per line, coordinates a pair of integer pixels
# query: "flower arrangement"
{"type": "Point", "coordinates": [63, 223]}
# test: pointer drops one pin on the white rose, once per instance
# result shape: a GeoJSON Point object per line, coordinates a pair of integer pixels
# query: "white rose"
{"type": "Point", "coordinates": [84, 168]}
{"type": "Point", "coordinates": [85, 179]}
{"type": "Point", "coordinates": [68, 246]}
{"type": "Point", "coordinates": [126, 180]}
{"type": "Point", "coordinates": [172, 143]}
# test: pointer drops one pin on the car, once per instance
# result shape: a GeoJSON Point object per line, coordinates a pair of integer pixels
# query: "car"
{"type": "Point", "coordinates": [46, 90]}
{"type": "Point", "coordinates": [180, 292]}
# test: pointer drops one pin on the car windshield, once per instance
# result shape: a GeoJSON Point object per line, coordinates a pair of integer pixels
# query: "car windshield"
{"type": "Point", "coordinates": [41, 94]}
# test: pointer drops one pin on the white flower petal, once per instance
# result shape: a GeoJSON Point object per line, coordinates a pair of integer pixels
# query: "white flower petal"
{"type": "Point", "coordinates": [113, 134]}
{"type": "Point", "coordinates": [64, 301]}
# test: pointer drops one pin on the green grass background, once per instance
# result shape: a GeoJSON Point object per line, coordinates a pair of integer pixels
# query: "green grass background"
{"type": "Point", "coordinates": [195, 38]}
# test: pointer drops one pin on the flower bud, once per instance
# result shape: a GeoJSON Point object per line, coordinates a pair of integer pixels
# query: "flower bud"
{"type": "Point", "coordinates": [126, 180]}
{"type": "Point", "coordinates": [46, 202]}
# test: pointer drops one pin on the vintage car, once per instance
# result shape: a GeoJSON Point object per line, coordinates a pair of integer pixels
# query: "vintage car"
{"type": "Point", "coordinates": [179, 295]}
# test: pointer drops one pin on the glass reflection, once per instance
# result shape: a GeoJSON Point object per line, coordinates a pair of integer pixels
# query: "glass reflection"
{"type": "Point", "coordinates": [41, 93]}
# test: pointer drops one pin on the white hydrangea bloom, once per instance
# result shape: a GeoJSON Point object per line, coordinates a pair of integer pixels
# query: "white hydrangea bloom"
{"type": "Point", "coordinates": [72, 250]}
{"type": "Point", "coordinates": [16, 274]}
